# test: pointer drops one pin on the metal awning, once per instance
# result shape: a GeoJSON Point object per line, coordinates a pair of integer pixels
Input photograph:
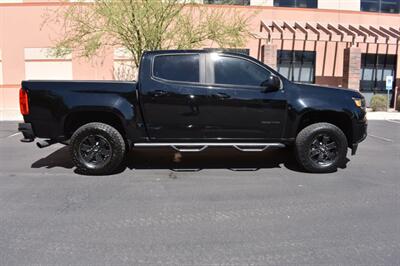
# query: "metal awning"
{"type": "Point", "coordinates": [313, 31]}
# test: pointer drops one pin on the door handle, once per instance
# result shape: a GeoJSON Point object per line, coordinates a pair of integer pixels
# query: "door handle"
{"type": "Point", "coordinates": [221, 95]}
{"type": "Point", "coordinates": [158, 93]}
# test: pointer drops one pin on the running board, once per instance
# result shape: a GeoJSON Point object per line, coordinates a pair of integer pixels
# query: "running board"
{"type": "Point", "coordinates": [198, 147]}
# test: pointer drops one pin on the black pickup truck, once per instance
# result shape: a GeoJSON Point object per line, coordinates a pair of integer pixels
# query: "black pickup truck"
{"type": "Point", "coordinates": [190, 100]}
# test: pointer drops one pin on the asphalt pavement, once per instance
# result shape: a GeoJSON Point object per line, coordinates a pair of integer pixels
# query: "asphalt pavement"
{"type": "Point", "coordinates": [218, 207]}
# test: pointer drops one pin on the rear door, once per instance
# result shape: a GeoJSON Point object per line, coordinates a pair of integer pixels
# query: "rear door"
{"type": "Point", "coordinates": [173, 97]}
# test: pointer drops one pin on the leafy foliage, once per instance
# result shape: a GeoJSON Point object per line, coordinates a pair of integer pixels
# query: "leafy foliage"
{"type": "Point", "coordinates": [140, 25]}
{"type": "Point", "coordinates": [378, 102]}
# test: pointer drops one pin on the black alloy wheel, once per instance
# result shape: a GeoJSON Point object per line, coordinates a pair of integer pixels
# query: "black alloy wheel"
{"type": "Point", "coordinates": [321, 148]}
{"type": "Point", "coordinates": [97, 149]}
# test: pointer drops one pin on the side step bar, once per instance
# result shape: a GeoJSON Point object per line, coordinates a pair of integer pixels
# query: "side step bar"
{"type": "Point", "coordinates": [198, 147]}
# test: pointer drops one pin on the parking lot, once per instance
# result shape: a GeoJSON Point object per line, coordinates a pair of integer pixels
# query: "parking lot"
{"type": "Point", "coordinates": [217, 207]}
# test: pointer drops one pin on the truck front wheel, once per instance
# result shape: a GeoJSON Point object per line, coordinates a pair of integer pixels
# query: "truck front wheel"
{"type": "Point", "coordinates": [97, 148]}
{"type": "Point", "coordinates": [321, 148]}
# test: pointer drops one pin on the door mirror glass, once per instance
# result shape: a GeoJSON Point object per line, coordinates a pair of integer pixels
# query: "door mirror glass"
{"type": "Point", "coordinates": [272, 83]}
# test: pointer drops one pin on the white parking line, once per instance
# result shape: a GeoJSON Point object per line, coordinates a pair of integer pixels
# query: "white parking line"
{"type": "Point", "coordinates": [381, 138]}
{"type": "Point", "coordinates": [393, 121]}
{"type": "Point", "coordinates": [15, 134]}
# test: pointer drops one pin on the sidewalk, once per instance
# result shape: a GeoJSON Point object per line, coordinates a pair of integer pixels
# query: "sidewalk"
{"type": "Point", "coordinates": [391, 115]}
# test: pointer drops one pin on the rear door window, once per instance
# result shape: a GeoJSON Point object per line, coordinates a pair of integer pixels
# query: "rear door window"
{"type": "Point", "coordinates": [182, 67]}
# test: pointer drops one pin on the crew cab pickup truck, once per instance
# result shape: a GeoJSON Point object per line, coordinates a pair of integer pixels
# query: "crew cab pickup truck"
{"type": "Point", "coordinates": [190, 100]}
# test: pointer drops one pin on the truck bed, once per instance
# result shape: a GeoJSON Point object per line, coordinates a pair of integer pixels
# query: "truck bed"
{"type": "Point", "coordinates": [51, 101]}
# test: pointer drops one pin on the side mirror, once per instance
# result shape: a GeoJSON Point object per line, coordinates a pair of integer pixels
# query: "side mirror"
{"type": "Point", "coordinates": [273, 83]}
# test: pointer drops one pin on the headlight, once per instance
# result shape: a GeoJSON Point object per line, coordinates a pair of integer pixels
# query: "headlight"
{"type": "Point", "coordinates": [359, 102]}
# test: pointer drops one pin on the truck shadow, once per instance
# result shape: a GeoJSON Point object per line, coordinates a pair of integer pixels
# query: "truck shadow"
{"type": "Point", "coordinates": [212, 158]}
{"type": "Point", "coordinates": [166, 158]}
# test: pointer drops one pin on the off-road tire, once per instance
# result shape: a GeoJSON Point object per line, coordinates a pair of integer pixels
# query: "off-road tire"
{"type": "Point", "coordinates": [305, 147]}
{"type": "Point", "coordinates": [110, 135]}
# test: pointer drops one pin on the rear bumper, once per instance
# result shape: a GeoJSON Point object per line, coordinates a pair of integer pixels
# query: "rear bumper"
{"type": "Point", "coordinates": [27, 132]}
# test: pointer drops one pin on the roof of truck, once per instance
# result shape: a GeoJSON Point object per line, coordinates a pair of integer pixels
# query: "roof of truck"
{"type": "Point", "coordinates": [155, 52]}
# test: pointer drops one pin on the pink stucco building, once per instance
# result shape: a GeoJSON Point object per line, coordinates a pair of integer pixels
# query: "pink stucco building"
{"type": "Point", "coordinates": [348, 43]}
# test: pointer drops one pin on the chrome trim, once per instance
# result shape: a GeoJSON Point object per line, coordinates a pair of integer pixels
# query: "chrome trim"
{"type": "Point", "coordinates": [189, 150]}
{"type": "Point", "coordinates": [200, 146]}
{"type": "Point", "coordinates": [251, 149]}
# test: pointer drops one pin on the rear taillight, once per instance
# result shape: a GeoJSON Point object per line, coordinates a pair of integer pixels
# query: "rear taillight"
{"type": "Point", "coordinates": [23, 102]}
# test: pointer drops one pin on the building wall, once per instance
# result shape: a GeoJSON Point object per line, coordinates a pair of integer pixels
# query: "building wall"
{"type": "Point", "coordinates": [1, 69]}
{"type": "Point", "coordinates": [353, 5]}
{"type": "Point", "coordinates": [262, 2]}
{"type": "Point", "coordinates": [329, 61]}
{"type": "Point", "coordinates": [40, 64]}
{"type": "Point", "coordinates": [24, 44]}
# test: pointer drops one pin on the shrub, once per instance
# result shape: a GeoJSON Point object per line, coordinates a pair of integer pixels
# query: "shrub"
{"type": "Point", "coordinates": [378, 103]}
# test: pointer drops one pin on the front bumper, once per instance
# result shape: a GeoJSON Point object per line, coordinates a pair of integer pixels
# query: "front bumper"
{"type": "Point", "coordinates": [27, 132]}
{"type": "Point", "coordinates": [359, 134]}
{"type": "Point", "coordinates": [360, 131]}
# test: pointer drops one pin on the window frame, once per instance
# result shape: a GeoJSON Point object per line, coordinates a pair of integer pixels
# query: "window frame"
{"type": "Point", "coordinates": [211, 2]}
{"type": "Point", "coordinates": [375, 70]}
{"type": "Point", "coordinates": [170, 81]}
{"type": "Point", "coordinates": [379, 3]}
{"type": "Point", "coordinates": [292, 62]}
{"type": "Point", "coordinates": [210, 73]}
{"type": "Point", "coordinates": [295, 5]}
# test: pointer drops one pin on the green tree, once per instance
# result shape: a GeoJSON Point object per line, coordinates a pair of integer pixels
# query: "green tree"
{"type": "Point", "coordinates": [140, 25]}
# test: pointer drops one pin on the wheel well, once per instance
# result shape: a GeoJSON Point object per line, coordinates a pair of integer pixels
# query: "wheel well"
{"type": "Point", "coordinates": [77, 119]}
{"type": "Point", "coordinates": [341, 120]}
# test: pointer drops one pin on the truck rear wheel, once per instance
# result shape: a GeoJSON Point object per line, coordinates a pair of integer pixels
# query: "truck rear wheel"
{"type": "Point", "coordinates": [321, 148]}
{"type": "Point", "coordinates": [97, 148]}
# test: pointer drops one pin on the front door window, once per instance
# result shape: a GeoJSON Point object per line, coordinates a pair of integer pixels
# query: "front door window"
{"type": "Point", "coordinates": [230, 70]}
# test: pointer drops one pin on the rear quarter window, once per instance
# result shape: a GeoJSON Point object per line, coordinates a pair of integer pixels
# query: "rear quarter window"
{"type": "Point", "coordinates": [183, 68]}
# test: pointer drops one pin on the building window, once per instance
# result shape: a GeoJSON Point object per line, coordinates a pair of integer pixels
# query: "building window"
{"type": "Point", "coordinates": [229, 50]}
{"type": "Point", "coordinates": [382, 6]}
{"type": "Point", "coordinates": [297, 3]}
{"type": "Point", "coordinates": [374, 69]}
{"type": "Point", "coordinates": [228, 2]}
{"type": "Point", "coordinates": [298, 66]}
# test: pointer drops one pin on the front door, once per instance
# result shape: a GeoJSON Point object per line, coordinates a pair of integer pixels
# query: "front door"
{"type": "Point", "coordinates": [241, 108]}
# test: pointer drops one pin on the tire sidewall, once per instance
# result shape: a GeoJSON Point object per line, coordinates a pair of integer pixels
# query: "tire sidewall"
{"type": "Point", "coordinates": [307, 136]}
{"type": "Point", "coordinates": [111, 135]}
